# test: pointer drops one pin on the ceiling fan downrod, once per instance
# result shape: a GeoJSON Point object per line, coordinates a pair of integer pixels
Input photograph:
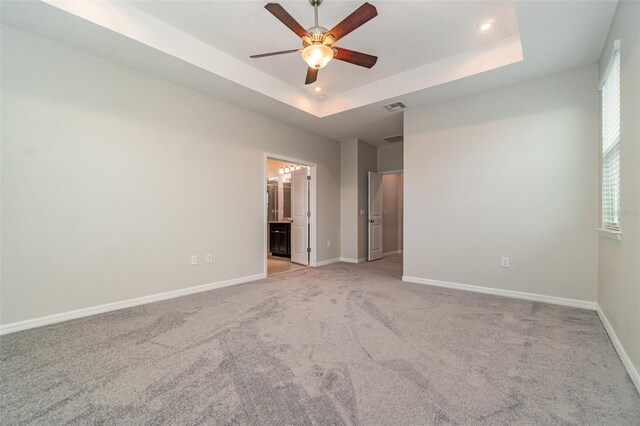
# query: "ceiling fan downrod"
{"type": "Point", "coordinates": [315, 4]}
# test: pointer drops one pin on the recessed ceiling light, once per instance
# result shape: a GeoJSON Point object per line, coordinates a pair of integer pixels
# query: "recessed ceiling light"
{"type": "Point", "coordinates": [485, 25]}
{"type": "Point", "coordinates": [318, 89]}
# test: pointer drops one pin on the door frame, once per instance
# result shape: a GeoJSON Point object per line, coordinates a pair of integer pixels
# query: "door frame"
{"type": "Point", "coordinates": [313, 205]}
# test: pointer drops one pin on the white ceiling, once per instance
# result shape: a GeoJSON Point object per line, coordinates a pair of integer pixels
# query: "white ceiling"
{"type": "Point", "coordinates": [404, 35]}
{"type": "Point", "coordinates": [187, 43]}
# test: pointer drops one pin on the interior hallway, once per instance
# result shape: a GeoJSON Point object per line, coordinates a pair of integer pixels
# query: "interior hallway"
{"type": "Point", "coordinates": [341, 344]}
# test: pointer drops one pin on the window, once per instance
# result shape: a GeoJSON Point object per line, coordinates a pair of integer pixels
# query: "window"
{"type": "Point", "coordinates": [611, 145]}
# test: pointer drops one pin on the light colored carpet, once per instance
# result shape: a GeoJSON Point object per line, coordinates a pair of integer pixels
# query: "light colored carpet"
{"type": "Point", "coordinates": [343, 344]}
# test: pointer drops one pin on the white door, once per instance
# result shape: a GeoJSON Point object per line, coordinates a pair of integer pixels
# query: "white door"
{"type": "Point", "coordinates": [375, 216]}
{"type": "Point", "coordinates": [299, 217]}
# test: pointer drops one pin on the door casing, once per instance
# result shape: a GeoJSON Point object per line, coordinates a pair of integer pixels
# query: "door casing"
{"type": "Point", "coordinates": [313, 205]}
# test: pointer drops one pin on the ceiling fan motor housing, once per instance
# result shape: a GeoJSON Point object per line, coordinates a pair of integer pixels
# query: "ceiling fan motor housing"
{"type": "Point", "coordinates": [317, 35]}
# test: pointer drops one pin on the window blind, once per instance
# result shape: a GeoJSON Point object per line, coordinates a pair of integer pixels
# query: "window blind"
{"type": "Point", "coordinates": [611, 145]}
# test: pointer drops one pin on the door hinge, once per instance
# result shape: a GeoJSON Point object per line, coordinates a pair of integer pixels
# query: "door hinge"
{"type": "Point", "coordinates": [308, 214]}
{"type": "Point", "coordinates": [308, 249]}
{"type": "Point", "coordinates": [308, 177]}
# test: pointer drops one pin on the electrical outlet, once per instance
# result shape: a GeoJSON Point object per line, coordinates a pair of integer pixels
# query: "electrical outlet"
{"type": "Point", "coordinates": [194, 260]}
{"type": "Point", "coordinates": [328, 243]}
{"type": "Point", "coordinates": [209, 258]}
{"type": "Point", "coordinates": [505, 262]}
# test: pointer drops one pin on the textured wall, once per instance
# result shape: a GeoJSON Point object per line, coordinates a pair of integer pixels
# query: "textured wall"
{"type": "Point", "coordinates": [392, 207]}
{"type": "Point", "coordinates": [367, 162]}
{"type": "Point", "coordinates": [509, 172]}
{"type": "Point", "coordinates": [619, 261]}
{"type": "Point", "coordinates": [112, 179]}
{"type": "Point", "coordinates": [349, 199]}
{"type": "Point", "coordinates": [390, 157]}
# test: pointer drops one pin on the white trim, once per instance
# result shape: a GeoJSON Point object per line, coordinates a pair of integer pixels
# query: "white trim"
{"type": "Point", "coordinates": [350, 260]}
{"type": "Point", "coordinates": [391, 253]}
{"type": "Point", "coordinates": [392, 172]}
{"type": "Point", "coordinates": [616, 47]}
{"type": "Point", "coordinates": [574, 303]}
{"type": "Point", "coordinates": [328, 262]}
{"type": "Point", "coordinates": [610, 233]}
{"type": "Point", "coordinates": [114, 306]}
{"type": "Point", "coordinates": [631, 369]}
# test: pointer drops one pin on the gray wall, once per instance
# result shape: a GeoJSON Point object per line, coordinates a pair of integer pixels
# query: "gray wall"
{"type": "Point", "coordinates": [111, 179]}
{"type": "Point", "coordinates": [619, 261]}
{"type": "Point", "coordinates": [510, 172]}
{"type": "Point", "coordinates": [392, 208]}
{"type": "Point", "coordinates": [390, 157]}
{"type": "Point", "coordinates": [367, 162]}
{"type": "Point", "coordinates": [357, 159]}
{"type": "Point", "coordinates": [349, 199]}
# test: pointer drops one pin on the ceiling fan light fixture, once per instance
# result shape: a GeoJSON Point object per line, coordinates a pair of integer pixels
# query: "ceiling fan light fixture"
{"type": "Point", "coordinates": [317, 55]}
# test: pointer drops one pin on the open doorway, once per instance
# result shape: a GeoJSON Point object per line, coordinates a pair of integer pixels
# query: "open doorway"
{"type": "Point", "coordinates": [289, 214]}
{"type": "Point", "coordinates": [385, 221]}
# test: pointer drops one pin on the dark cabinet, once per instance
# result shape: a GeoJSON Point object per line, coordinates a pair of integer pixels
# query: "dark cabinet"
{"type": "Point", "coordinates": [280, 239]}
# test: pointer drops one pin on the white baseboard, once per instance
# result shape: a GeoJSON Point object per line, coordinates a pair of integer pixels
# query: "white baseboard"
{"type": "Point", "coordinates": [631, 369]}
{"type": "Point", "coordinates": [574, 303]}
{"type": "Point", "coordinates": [391, 253]}
{"type": "Point", "coordinates": [328, 262]}
{"type": "Point", "coordinates": [350, 260]}
{"type": "Point", "coordinates": [114, 306]}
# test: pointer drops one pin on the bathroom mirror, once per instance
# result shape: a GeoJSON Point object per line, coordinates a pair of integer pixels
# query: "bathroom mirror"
{"type": "Point", "coordinates": [279, 199]}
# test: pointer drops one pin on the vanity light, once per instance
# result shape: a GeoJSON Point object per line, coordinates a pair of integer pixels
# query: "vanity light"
{"type": "Point", "coordinates": [288, 169]}
{"type": "Point", "coordinates": [318, 89]}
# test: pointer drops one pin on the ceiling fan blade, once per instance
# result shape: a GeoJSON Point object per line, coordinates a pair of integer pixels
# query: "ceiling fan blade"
{"type": "Point", "coordinates": [360, 16]}
{"type": "Point", "coordinates": [312, 75]}
{"type": "Point", "coordinates": [284, 17]}
{"type": "Point", "coordinates": [282, 52]}
{"type": "Point", "coordinates": [356, 58]}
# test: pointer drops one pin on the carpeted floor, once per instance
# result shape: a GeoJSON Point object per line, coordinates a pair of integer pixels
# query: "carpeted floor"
{"type": "Point", "coordinates": [342, 344]}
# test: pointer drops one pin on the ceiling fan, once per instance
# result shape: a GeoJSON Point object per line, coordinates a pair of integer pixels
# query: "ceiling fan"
{"type": "Point", "coordinates": [317, 42]}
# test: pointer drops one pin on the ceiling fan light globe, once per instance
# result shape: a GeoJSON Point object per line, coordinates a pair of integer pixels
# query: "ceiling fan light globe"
{"type": "Point", "coordinates": [317, 55]}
